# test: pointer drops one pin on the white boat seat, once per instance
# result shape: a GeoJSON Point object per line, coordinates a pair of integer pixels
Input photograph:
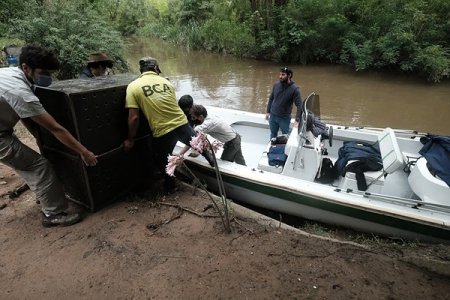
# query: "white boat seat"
{"type": "Point", "coordinates": [374, 180]}
{"type": "Point", "coordinates": [426, 186]}
{"type": "Point", "coordinates": [390, 151]}
{"type": "Point", "coordinates": [392, 159]}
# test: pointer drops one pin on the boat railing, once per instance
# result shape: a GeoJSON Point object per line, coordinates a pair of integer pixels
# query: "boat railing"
{"type": "Point", "coordinates": [419, 204]}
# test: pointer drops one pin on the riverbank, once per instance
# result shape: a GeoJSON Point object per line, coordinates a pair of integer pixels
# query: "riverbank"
{"type": "Point", "coordinates": [155, 247]}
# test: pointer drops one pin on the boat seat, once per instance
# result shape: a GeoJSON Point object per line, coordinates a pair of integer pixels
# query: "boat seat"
{"type": "Point", "coordinates": [426, 186]}
{"type": "Point", "coordinates": [392, 159]}
{"type": "Point", "coordinates": [374, 180]}
{"type": "Point", "coordinates": [390, 151]}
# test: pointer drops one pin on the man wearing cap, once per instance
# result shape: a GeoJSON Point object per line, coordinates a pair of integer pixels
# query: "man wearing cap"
{"type": "Point", "coordinates": [98, 65]}
{"type": "Point", "coordinates": [18, 102]}
{"type": "Point", "coordinates": [284, 94]}
{"type": "Point", "coordinates": [155, 96]}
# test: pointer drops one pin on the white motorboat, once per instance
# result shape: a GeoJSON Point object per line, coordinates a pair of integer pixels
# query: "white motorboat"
{"type": "Point", "coordinates": [402, 199]}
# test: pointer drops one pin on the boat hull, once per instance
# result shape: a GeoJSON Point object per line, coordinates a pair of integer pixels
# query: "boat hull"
{"type": "Point", "coordinates": [305, 206]}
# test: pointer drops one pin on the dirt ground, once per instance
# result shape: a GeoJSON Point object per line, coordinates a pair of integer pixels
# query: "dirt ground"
{"type": "Point", "coordinates": [148, 248]}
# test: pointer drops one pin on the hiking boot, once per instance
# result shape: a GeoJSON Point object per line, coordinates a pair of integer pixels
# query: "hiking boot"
{"type": "Point", "coordinates": [61, 219]}
{"type": "Point", "coordinates": [209, 157]}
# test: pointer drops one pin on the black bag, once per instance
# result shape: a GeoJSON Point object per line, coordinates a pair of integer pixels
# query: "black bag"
{"type": "Point", "coordinates": [276, 155]}
{"type": "Point", "coordinates": [281, 139]}
{"type": "Point", "coordinates": [328, 172]}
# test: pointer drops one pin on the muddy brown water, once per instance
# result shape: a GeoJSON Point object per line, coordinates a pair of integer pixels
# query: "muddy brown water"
{"type": "Point", "coordinates": [347, 97]}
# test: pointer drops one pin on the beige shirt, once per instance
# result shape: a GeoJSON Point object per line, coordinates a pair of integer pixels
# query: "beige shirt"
{"type": "Point", "coordinates": [17, 99]}
{"type": "Point", "coordinates": [217, 128]}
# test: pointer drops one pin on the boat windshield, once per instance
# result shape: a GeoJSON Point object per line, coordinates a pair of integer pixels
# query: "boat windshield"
{"type": "Point", "coordinates": [311, 104]}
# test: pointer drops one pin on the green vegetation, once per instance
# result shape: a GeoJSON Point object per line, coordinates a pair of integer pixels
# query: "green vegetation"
{"type": "Point", "coordinates": [407, 36]}
{"type": "Point", "coordinates": [73, 28]}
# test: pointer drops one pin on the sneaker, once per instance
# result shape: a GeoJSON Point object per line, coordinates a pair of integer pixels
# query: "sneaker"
{"type": "Point", "coordinates": [61, 219]}
{"type": "Point", "coordinates": [209, 157]}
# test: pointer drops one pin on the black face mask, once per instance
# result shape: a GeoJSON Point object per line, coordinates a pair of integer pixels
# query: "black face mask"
{"type": "Point", "coordinates": [197, 122]}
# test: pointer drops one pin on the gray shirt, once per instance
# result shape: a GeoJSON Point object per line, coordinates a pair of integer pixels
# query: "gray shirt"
{"type": "Point", "coordinates": [17, 99]}
{"type": "Point", "coordinates": [218, 129]}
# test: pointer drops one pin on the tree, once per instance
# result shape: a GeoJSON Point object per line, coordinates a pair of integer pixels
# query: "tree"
{"type": "Point", "coordinates": [69, 28]}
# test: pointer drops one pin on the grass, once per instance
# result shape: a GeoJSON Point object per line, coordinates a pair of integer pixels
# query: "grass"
{"type": "Point", "coordinates": [368, 239]}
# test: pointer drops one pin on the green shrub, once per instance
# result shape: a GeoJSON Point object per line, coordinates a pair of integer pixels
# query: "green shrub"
{"type": "Point", "coordinates": [69, 29]}
{"type": "Point", "coordinates": [433, 62]}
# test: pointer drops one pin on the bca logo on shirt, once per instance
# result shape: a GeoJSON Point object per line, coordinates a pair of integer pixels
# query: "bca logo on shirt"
{"type": "Point", "coordinates": [156, 88]}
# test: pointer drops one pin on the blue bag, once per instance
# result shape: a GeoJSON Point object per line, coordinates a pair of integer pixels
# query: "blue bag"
{"type": "Point", "coordinates": [276, 155]}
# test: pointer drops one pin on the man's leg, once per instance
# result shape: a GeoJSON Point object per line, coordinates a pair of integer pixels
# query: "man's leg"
{"type": "Point", "coordinates": [38, 173]}
{"type": "Point", "coordinates": [163, 147]}
{"type": "Point", "coordinates": [274, 126]}
{"type": "Point", "coordinates": [285, 123]}
{"type": "Point", "coordinates": [232, 151]}
{"type": "Point", "coordinates": [239, 158]}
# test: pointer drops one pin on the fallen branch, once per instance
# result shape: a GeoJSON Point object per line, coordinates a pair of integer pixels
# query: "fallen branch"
{"type": "Point", "coordinates": [189, 210]}
{"type": "Point", "coordinates": [248, 230]}
{"type": "Point", "coordinates": [168, 256]}
{"type": "Point", "coordinates": [156, 226]}
{"type": "Point", "coordinates": [225, 225]}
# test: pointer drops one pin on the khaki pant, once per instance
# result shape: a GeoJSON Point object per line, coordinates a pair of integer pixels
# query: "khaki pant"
{"type": "Point", "coordinates": [37, 172]}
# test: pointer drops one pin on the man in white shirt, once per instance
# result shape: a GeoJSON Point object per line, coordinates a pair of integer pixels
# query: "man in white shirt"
{"type": "Point", "coordinates": [221, 131]}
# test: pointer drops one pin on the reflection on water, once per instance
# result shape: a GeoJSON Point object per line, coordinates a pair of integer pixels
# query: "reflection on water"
{"type": "Point", "coordinates": [349, 98]}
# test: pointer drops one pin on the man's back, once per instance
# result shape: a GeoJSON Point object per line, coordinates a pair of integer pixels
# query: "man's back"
{"type": "Point", "coordinates": [155, 96]}
{"type": "Point", "coordinates": [217, 128]}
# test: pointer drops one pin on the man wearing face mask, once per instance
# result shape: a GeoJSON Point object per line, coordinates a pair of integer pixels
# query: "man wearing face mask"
{"type": "Point", "coordinates": [221, 131]}
{"type": "Point", "coordinates": [18, 102]}
{"type": "Point", "coordinates": [98, 65]}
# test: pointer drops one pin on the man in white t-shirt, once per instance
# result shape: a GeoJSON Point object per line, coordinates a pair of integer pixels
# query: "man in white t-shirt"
{"type": "Point", "coordinates": [18, 102]}
{"type": "Point", "coordinates": [221, 131]}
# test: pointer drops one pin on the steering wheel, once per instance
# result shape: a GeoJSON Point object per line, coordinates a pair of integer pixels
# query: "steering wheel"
{"type": "Point", "coordinates": [330, 136]}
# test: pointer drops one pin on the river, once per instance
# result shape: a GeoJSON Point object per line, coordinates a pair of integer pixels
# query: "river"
{"type": "Point", "coordinates": [347, 97]}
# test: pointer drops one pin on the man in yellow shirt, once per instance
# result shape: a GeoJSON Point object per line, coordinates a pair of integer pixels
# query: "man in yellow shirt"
{"type": "Point", "coordinates": [155, 96]}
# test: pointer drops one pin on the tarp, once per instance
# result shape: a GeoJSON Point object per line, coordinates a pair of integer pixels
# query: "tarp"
{"type": "Point", "coordinates": [436, 151]}
{"type": "Point", "coordinates": [357, 151]}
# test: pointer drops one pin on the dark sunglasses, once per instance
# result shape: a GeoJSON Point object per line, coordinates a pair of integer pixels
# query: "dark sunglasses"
{"type": "Point", "coordinates": [105, 64]}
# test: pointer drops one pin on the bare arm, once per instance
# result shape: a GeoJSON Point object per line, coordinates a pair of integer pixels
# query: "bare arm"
{"type": "Point", "coordinates": [48, 122]}
{"type": "Point", "coordinates": [133, 125]}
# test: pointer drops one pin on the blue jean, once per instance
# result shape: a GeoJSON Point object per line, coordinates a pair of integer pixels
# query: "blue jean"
{"type": "Point", "coordinates": [276, 122]}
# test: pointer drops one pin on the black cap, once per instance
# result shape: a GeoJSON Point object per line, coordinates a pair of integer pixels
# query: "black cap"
{"type": "Point", "coordinates": [149, 62]}
{"type": "Point", "coordinates": [287, 71]}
